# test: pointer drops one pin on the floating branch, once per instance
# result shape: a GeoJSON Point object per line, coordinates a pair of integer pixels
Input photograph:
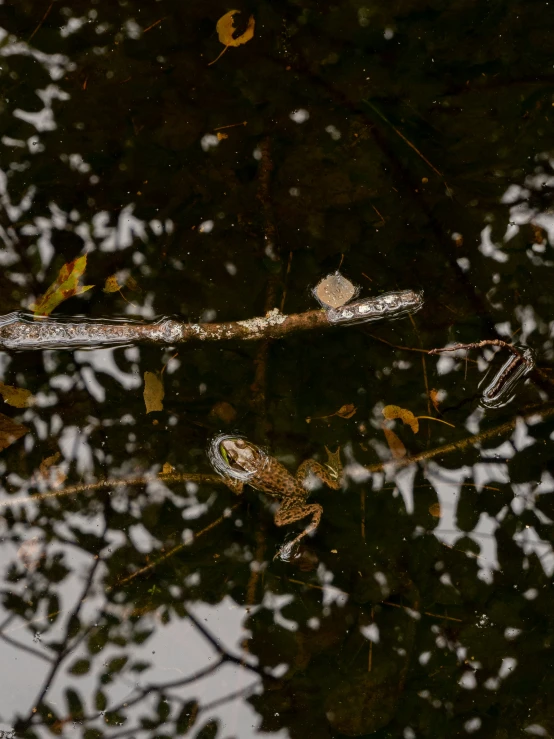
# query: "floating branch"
{"type": "Point", "coordinates": [517, 366]}
{"type": "Point", "coordinates": [23, 331]}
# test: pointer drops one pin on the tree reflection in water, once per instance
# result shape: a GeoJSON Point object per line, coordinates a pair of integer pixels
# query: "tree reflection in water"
{"type": "Point", "coordinates": [401, 143]}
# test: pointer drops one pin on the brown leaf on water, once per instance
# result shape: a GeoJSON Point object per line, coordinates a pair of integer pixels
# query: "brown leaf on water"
{"type": "Point", "coordinates": [435, 510]}
{"type": "Point", "coordinates": [50, 473]}
{"type": "Point", "coordinates": [434, 398]}
{"type": "Point", "coordinates": [224, 411]}
{"type": "Point", "coordinates": [392, 412]}
{"type": "Point", "coordinates": [18, 397]}
{"type": "Point", "coordinates": [167, 468]}
{"type": "Point", "coordinates": [226, 29]}
{"type": "Point", "coordinates": [221, 136]}
{"type": "Point", "coordinates": [47, 462]}
{"type": "Point", "coordinates": [398, 450]}
{"type": "Point", "coordinates": [153, 391]}
{"type": "Point", "coordinates": [10, 431]}
{"type": "Point", "coordinates": [346, 411]}
{"type": "Point", "coordinates": [65, 286]}
{"type": "Point", "coordinates": [132, 284]}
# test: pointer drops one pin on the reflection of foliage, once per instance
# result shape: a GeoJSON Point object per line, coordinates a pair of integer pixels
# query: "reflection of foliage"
{"type": "Point", "coordinates": [105, 126]}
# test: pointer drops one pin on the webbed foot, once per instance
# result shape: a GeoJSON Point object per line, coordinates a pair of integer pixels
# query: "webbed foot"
{"type": "Point", "coordinates": [334, 464]}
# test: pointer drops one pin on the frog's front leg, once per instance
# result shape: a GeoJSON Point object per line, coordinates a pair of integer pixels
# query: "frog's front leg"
{"type": "Point", "coordinates": [330, 473]}
{"type": "Point", "coordinates": [237, 486]}
{"type": "Point", "coordinates": [291, 511]}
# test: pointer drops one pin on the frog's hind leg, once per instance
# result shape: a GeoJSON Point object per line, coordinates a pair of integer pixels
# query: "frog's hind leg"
{"type": "Point", "coordinates": [295, 511]}
{"type": "Point", "coordinates": [330, 473]}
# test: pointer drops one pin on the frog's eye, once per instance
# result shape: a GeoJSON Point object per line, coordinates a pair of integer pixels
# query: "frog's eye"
{"type": "Point", "coordinates": [224, 454]}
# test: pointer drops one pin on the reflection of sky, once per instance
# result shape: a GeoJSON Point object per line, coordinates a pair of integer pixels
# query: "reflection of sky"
{"type": "Point", "coordinates": [175, 650]}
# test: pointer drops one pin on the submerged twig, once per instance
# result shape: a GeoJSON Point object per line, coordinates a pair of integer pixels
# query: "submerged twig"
{"type": "Point", "coordinates": [113, 483]}
{"type": "Point", "coordinates": [23, 331]}
{"type": "Point", "coordinates": [171, 552]}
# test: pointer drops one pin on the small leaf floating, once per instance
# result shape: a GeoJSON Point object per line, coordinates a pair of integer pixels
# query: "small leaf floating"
{"type": "Point", "coordinates": [398, 450]}
{"type": "Point", "coordinates": [334, 291]}
{"type": "Point", "coordinates": [65, 286]}
{"type": "Point", "coordinates": [435, 510]}
{"type": "Point", "coordinates": [226, 28]}
{"type": "Point", "coordinates": [48, 471]}
{"type": "Point", "coordinates": [394, 411]}
{"type": "Point", "coordinates": [153, 391]}
{"type": "Point", "coordinates": [345, 411]}
{"type": "Point", "coordinates": [435, 398]}
{"type": "Point", "coordinates": [112, 285]}
{"type": "Point", "coordinates": [10, 431]}
{"type": "Point", "coordinates": [18, 397]}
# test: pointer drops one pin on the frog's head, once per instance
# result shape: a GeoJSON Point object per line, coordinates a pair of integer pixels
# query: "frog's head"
{"type": "Point", "coordinates": [240, 455]}
{"type": "Point", "coordinates": [233, 456]}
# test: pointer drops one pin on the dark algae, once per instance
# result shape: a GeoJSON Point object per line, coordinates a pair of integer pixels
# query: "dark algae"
{"type": "Point", "coordinates": [209, 217]}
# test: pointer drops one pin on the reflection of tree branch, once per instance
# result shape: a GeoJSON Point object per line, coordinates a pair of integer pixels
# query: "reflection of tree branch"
{"type": "Point", "coordinates": [227, 656]}
{"type": "Point", "coordinates": [24, 647]}
{"type": "Point", "coordinates": [243, 692]}
{"type": "Point", "coordinates": [73, 616]}
{"type": "Point", "coordinates": [224, 658]}
{"type": "Point", "coordinates": [7, 621]}
{"type": "Point", "coordinates": [157, 688]}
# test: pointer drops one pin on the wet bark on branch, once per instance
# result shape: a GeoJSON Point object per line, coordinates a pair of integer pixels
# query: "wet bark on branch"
{"type": "Point", "coordinates": [23, 331]}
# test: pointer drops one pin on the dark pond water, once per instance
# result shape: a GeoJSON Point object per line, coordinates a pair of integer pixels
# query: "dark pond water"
{"type": "Point", "coordinates": [408, 142]}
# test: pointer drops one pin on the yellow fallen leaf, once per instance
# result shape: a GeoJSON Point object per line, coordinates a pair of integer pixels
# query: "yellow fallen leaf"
{"type": "Point", "coordinates": [167, 469]}
{"type": "Point", "coordinates": [153, 392]}
{"type": "Point", "coordinates": [65, 286]}
{"type": "Point", "coordinates": [394, 411]}
{"type": "Point", "coordinates": [397, 448]}
{"type": "Point", "coordinates": [226, 28]}
{"type": "Point", "coordinates": [112, 285]}
{"type": "Point", "coordinates": [10, 431]}
{"type": "Point", "coordinates": [16, 396]}
{"type": "Point", "coordinates": [221, 136]}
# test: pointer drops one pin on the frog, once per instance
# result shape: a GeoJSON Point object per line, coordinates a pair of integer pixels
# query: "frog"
{"type": "Point", "coordinates": [246, 463]}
